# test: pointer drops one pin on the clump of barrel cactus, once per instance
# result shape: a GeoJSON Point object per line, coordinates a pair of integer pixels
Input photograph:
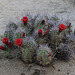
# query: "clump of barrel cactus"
{"type": "Point", "coordinates": [38, 39]}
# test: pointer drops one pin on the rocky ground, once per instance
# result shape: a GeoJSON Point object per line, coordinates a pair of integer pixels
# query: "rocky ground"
{"type": "Point", "coordinates": [13, 10]}
{"type": "Point", "coordinates": [17, 67]}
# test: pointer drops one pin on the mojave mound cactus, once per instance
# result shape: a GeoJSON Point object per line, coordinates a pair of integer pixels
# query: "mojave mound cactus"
{"type": "Point", "coordinates": [38, 38]}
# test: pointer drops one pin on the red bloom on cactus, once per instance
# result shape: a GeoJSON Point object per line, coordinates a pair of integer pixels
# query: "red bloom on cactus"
{"type": "Point", "coordinates": [25, 20]}
{"type": "Point", "coordinates": [9, 44]}
{"type": "Point", "coordinates": [69, 25]}
{"type": "Point", "coordinates": [23, 35]}
{"type": "Point", "coordinates": [40, 32]}
{"type": "Point", "coordinates": [51, 53]}
{"type": "Point", "coordinates": [18, 42]}
{"type": "Point", "coordinates": [46, 33]}
{"type": "Point", "coordinates": [47, 20]}
{"type": "Point", "coordinates": [2, 48]}
{"type": "Point", "coordinates": [5, 40]}
{"type": "Point", "coordinates": [43, 21]}
{"type": "Point", "coordinates": [62, 27]}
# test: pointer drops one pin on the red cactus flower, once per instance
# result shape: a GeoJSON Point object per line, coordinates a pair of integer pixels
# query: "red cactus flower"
{"type": "Point", "coordinates": [23, 35]}
{"type": "Point", "coordinates": [25, 20]}
{"type": "Point", "coordinates": [5, 40]}
{"type": "Point", "coordinates": [51, 53]}
{"type": "Point", "coordinates": [9, 44]}
{"type": "Point", "coordinates": [62, 27]}
{"type": "Point", "coordinates": [69, 25]}
{"type": "Point", "coordinates": [47, 20]}
{"type": "Point", "coordinates": [2, 48]}
{"type": "Point", "coordinates": [40, 32]}
{"type": "Point", "coordinates": [18, 42]}
{"type": "Point", "coordinates": [46, 33]}
{"type": "Point", "coordinates": [43, 22]}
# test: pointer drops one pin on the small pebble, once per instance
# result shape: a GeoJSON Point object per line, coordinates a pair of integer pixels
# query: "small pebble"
{"type": "Point", "coordinates": [68, 73]}
{"type": "Point", "coordinates": [36, 72]}
{"type": "Point", "coordinates": [22, 73]}
{"type": "Point", "coordinates": [58, 69]}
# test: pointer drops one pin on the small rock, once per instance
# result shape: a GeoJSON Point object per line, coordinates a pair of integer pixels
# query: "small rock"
{"type": "Point", "coordinates": [58, 69]}
{"type": "Point", "coordinates": [68, 73]}
{"type": "Point", "coordinates": [36, 72]}
{"type": "Point", "coordinates": [22, 73]}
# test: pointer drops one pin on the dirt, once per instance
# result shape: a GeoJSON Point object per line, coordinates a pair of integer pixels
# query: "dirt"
{"type": "Point", "coordinates": [17, 67]}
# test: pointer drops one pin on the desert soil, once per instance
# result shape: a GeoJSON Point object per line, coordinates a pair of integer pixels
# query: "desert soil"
{"type": "Point", "coordinates": [13, 10]}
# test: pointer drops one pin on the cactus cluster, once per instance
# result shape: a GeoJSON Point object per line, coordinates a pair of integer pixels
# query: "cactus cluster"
{"type": "Point", "coordinates": [38, 39]}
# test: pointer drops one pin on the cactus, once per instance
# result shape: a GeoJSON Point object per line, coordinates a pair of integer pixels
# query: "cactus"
{"type": "Point", "coordinates": [44, 55]}
{"type": "Point", "coordinates": [63, 52]}
{"type": "Point", "coordinates": [28, 51]}
{"type": "Point", "coordinates": [12, 26]}
{"type": "Point", "coordinates": [9, 34]}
